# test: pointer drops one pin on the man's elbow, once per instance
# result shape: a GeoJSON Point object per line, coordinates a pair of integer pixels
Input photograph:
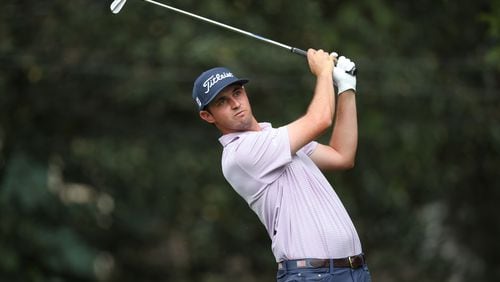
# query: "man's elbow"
{"type": "Point", "coordinates": [348, 164]}
{"type": "Point", "coordinates": [323, 122]}
{"type": "Point", "coordinates": [343, 166]}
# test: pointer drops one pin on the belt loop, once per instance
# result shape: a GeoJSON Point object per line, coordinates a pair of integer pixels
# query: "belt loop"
{"type": "Point", "coordinates": [285, 266]}
{"type": "Point", "coordinates": [331, 266]}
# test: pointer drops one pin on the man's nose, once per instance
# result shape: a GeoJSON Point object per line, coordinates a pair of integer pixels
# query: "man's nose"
{"type": "Point", "coordinates": [234, 103]}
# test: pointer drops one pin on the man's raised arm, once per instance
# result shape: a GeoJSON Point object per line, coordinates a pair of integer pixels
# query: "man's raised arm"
{"type": "Point", "coordinates": [340, 153]}
{"type": "Point", "coordinates": [319, 115]}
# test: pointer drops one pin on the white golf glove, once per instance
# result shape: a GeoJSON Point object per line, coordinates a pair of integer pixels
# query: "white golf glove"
{"type": "Point", "coordinates": [343, 80]}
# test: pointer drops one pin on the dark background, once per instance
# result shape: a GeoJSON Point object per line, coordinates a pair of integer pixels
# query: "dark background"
{"type": "Point", "coordinates": [108, 174]}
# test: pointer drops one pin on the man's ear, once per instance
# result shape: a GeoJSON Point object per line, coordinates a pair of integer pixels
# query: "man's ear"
{"type": "Point", "coordinates": [207, 116]}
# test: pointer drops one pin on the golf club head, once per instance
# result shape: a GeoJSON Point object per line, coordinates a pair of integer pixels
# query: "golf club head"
{"type": "Point", "coordinates": [117, 5]}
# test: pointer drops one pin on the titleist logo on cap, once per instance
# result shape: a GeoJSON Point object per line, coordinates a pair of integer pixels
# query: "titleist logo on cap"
{"type": "Point", "coordinates": [212, 80]}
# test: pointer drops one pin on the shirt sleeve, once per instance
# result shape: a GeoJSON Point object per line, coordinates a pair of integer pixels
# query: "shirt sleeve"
{"type": "Point", "coordinates": [309, 148]}
{"type": "Point", "coordinates": [264, 154]}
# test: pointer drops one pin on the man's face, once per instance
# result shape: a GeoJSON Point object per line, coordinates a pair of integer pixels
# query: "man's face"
{"type": "Point", "coordinates": [230, 110]}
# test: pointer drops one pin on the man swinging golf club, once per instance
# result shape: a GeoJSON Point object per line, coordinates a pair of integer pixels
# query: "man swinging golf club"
{"type": "Point", "coordinates": [278, 170]}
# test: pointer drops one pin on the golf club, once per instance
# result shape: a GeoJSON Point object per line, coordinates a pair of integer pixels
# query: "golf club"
{"type": "Point", "coordinates": [117, 5]}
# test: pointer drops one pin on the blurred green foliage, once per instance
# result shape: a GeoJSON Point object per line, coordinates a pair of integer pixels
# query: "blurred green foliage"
{"type": "Point", "coordinates": [107, 173]}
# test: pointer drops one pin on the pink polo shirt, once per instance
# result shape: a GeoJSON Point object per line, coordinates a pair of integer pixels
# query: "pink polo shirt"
{"type": "Point", "coordinates": [303, 215]}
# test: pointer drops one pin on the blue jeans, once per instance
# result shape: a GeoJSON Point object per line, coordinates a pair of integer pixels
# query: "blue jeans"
{"type": "Point", "coordinates": [361, 274]}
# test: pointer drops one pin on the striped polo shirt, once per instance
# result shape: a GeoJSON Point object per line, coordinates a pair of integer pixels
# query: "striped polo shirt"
{"type": "Point", "coordinates": [302, 214]}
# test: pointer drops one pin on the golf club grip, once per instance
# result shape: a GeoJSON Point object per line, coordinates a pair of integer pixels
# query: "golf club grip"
{"type": "Point", "coordinates": [298, 51]}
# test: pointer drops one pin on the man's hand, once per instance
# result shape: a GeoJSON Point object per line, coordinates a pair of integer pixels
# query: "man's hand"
{"type": "Point", "coordinates": [342, 79]}
{"type": "Point", "coordinates": [320, 62]}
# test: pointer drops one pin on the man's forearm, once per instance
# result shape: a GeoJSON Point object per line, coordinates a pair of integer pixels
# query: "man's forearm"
{"type": "Point", "coordinates": [344, 138]}
{"type": "Point", "coordinates": [319, 114]}
{"type": "Point", "coordinates": [323, 103]}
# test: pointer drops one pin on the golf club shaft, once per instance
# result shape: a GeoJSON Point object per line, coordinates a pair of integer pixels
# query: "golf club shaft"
{"type": "Point", "coordinates": [117, 5]}
{"type": "Point", "coordinates": [289, 48]}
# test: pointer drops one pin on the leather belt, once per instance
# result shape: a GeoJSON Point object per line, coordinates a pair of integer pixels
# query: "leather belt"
{"type": "Point", "coordinates": [348, 262]}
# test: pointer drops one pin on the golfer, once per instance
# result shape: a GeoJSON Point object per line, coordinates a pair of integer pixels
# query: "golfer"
{"type": "Point", "coordinates": [278, 170]}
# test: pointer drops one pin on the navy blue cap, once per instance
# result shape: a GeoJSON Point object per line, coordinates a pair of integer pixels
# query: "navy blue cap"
{"type": "Point", "coordinates": [210, 83]}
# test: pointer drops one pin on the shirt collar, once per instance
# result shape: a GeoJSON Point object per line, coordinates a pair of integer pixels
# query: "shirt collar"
{"type": "Point", "coordinates": [230, 137]}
